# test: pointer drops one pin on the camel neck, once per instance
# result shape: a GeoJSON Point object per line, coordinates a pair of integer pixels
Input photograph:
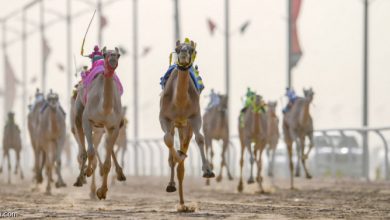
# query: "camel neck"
{"type": "Point", "coordinates": [108, 94]}
{"type": "Point", "coordinates": [256, 122]}
{"type": "Point", "coordinates": [305, 113]}
{"type": "Point", "coordinates": [182, 85]}
{"type": "Point", "coordinates": [53, 120]}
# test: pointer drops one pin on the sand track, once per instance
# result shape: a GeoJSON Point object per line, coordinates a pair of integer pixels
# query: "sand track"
{"type": "Point", "coordinates": [145, 198]}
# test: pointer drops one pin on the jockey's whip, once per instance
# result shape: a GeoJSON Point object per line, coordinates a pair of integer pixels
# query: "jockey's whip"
{"type": "Point", "coordinates": [85, 35]}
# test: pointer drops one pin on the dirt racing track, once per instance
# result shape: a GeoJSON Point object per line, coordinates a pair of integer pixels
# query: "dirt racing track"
{"type": "Point", "coordinates": [145, 198]}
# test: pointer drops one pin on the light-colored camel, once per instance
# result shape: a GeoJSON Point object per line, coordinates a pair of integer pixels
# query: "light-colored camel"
{"type": "Point", "coordinates": [103, 108]}
{"type": "Point", "coordinates": [51, 132]}
{"type": "Point", "coordinates": [216, 126]}
{"type": "Point", "coordinates": [33, 121]}
{"type": "Point", "coordinates": [272, 135]}
{"type": "Point", "coordinates": [297, 124]}
{"type": "Point", "coordinates": [11, 140]}
{"type": "Point", "coordinates": [179, 108]}
{"type": "Point", "coordinates": [252, 130]}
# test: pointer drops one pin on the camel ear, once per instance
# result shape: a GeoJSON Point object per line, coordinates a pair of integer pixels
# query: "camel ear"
{"type": "Point", "coordinates": [117, 52]}
{"type": "Point", "coordinates": [104, 51]}
{"type": "Point", "coordinates": [177, 43]}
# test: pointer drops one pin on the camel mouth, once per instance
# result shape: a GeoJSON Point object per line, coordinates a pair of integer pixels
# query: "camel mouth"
{"type": "Point", "coordinates": [113, 63]}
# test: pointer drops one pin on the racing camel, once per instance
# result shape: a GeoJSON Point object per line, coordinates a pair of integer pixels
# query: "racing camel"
{"type": "Point", "coordinates": [216, 126]}
{"type": "Point", "coordinates": [51, 133]}
{"type": "Point", "coordinates": [252, 130]}
{"type": "Point", "coordinates": [272, 135]}
{"type": "Point", "coordinates": [297, 124]}
{"type": "Point", "coordinates": [98, 104]}
{"type": "Point", "coordinates": [11, 140]}
{"type": "Point", "coordinates": [179, 108]}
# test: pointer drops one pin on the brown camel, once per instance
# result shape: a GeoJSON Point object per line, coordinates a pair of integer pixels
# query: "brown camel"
{"type": "Point", "coordinates": [272, 135]}
{"type": "Point", "coordinates": [179, 108]}
{"type": "Point", "coordinates": [103, 109]}
{"type": "Point", "coordinates": [216, 126]}
{"type": "Point", "coordinates": [297, 124]}
{"type": "Point", "coordinates": [11, 140]}
{"type": "Point", "coordinates": [33, 121]}
{"type": "Point", "coordinates": [252, 130]}
{"type": "Point", "coordinates": [51, 132]}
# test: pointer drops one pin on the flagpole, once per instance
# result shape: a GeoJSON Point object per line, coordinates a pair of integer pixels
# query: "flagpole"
{"type": "Point", "coordinates": [99, 12]}
{"type": "Point", "coordinates": [177, 21]}
{"type": "Point", "coordinates": [227, 56]}
{"type": "Point", "coordinates": [24, 81]}
{"type": "Point", "coordinates": [135, 83]}
{"type": "Point", "coordinates": [289, 42]}
{"type": "Point", "coordinates": [365, 90]}
{"type": "Point", "coordinates": [69, 50]}
{"type": "Point", "coordinates": [44, 55]}
{"type": "Point", "coordinates": [4, 46]}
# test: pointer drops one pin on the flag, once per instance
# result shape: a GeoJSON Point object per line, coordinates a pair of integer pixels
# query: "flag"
{"type": "Point", "coordinates": [46, 49]}
{"type": "Point", "coordinates": [244, 27]}
{"type": "Point", "coordinates": [212, 26]}
{"type": "Point", "coordinates": [10, 85]}
{"type": "Point", "coordinates": [60, 67]}
{"type": "Point", "coordinates": [296, 52]}
{"type": "Point", "coordinates": [146, 51]}
{"type": "Point", "coordinates": [103, 21]}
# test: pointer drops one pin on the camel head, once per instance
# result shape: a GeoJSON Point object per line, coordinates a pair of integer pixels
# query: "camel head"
{"type": "Point", "coordinates": [111, 57]}
{"type": "Point", "coordinates": [52, 100]}
{"type": "Point", "coordinates": [39, 96]}
{"type": "Point", "coordinates": [309, 94]}
{"type": "Point", "coordinates": [272, 107]}
{"type": "Point", "coordinates": [11, 117]}
{"type": "Point", "coordinates": [223, 103]}
{"type": "Point", "coordinates": [257, 104]}
{"type": "Point", "coordinates": [186, 53]}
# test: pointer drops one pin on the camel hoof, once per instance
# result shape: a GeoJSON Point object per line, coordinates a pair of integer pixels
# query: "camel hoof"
{"type": "Point", "coordinates": [1, 169]}
{"type": "Point", "coordinates": [231, 178]}
{"type": "Point", "coordinates": [39, 178]}
{"type": "Point", "coordinates": [120, 176]}
{"type": "Point", "coordinates": [240, 187]}
{"type": "Point", "coordinates": [219, 179]}
{"type": "Point", "coordinates": [101, 193]}
{"type": "Point", "coordinates": [308, 176]}
{"type": "Point", "coordinates": [184, 208]}
{"type": "Point", "coordinates": [207, 182]}
{"type": "Point", "coordinates": [171, 189]}
{"type": "Point", "coordinates": [251, 180]}
{"type": "Point", "coordinates": [78, 183]}
{"type": "Point", "coordinates": [48, 193]}
{"type": "Point", "coordinates": [22, 176]}
{"type": "Point", "coordinates": [208, 174]}
{"type": "Point", "coordinates": [89, 172]}
{"type": "Point", "coordinates": [60, 184]}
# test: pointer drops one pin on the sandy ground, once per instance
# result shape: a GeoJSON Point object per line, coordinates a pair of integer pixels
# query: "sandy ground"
{"type": "Point", "coordinates": [145, 198]}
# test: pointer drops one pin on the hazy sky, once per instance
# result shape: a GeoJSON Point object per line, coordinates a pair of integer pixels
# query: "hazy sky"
{"type": "Point", "coordinates": [331, 35]}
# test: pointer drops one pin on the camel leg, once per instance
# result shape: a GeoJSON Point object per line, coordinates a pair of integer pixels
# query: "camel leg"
{"type": "Point", "coordinates": [289, 149]}
{"type": "Point", "coordinates": [168, 129]}
{"type": "Point", "coordinates": [9, 166]}
{"type": "Point", "coordinates": [87, 127]}
{"type": "Point", "coordinates": [49, 164]}
{"type": "Point", "coordinates": [171, 185]}
{"type": "Point", "coordinates": [311, 144]}
{"type": "Point", "coordinates": [58, 149]}
{"type": "Point", "coordinates": [18, 164]}
{"type": "Point", "coordinates": [271, 158]}
{"type": "Point", "coordinates": [223, 161]}
{"type": "Point", "coordinates": [196, 123]}
{"type": "Point", "coordinates": [240, 184]}
{"type": "Point", "coordinates": [118, 169]}
{"type": "Point", "coordinates": [112, 134]}
{"type": "Point", "coordinates": [259, 167]}
{"type": "Point", "coordinates": [4, 156]}
{"type": "Point", "coordinates": [185, 135]}
{"type": "Point", "coordinates": [252, 160]}
{"type": "Point", "coordinates": [41, 161]}
{"type": "Point", "coordinates": [97, 137]}
{"type": "Point", "coordinates": [92, 194]}
{"type": "Point", "coordinates": [303, 158]}
{"type": "Point", "coordinates": [209, 148]}
{"type": "Point", "coordinates": [82, 157]}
